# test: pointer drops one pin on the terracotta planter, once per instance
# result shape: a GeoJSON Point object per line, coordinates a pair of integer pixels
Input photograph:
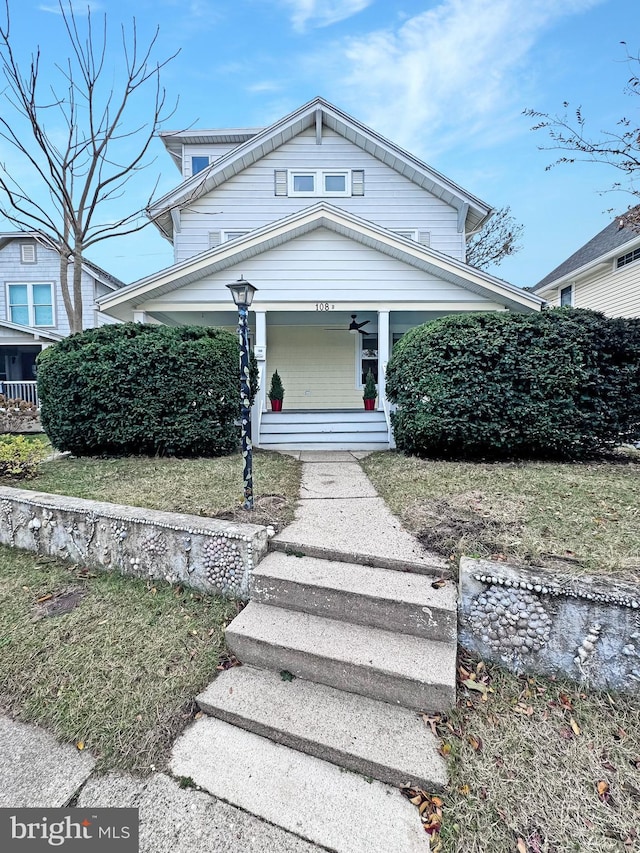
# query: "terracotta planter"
{"type": "Point", "coordinates": [276, 405]}
{"type": "Point", "coordinates": [369, 405]}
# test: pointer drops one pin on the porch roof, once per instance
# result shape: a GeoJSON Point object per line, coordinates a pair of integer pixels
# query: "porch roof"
{"type": "Point", "coordinates": [28, 331]}
{"type": "Point", "coordinates": [122, 303]}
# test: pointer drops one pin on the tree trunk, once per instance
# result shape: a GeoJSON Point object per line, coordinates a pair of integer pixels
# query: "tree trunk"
{"type": "Point", "coordinates": [76, 320]}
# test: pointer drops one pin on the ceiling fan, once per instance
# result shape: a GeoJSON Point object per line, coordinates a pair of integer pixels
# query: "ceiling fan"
{"type": "Point", "coordinates": [353, 326]}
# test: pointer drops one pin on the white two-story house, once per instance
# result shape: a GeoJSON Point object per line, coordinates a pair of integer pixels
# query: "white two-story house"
{"type": "Point", "coordinates": [32, 314]}
{"type": "Point", "coordinates": [349, 240]}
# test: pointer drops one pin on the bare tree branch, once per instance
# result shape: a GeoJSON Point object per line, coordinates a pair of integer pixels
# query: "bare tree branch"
{"type": "Point", "coordinates": [495, 241]}
{"type": "Point", "coordinates": [618, 148]}
{"type": "Point", "coordinates": [80, 144]}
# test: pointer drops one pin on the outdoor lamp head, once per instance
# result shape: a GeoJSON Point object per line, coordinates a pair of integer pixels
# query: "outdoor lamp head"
{"type": "Point", "coordinates": [242, 292]}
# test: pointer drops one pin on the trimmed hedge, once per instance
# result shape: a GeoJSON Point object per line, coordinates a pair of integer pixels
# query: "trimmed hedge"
{"type": "Point", "coordinates": [559, 384]}
{"type": "Point", "coordinates": [142, 389]}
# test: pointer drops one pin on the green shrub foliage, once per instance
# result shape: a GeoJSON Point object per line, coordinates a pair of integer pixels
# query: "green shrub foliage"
{"type": "Point", "coordinates": [142, 389]}
{"type": "Point", "coordinates": [560, 384]}
{"type": "Point", "coordinates": [19, 457]}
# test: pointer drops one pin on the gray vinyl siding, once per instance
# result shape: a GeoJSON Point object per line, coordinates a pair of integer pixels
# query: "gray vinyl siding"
{"type": "Point", "coordinates": [323, 265]}
{"type": "Point", "coordinates": [47, 269]}
{"type": "Point", "coordinates": [248, 199]}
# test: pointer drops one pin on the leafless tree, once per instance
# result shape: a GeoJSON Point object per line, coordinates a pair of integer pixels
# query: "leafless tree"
{"type": "Point", "coordinates": [495, 241]}
{"type": "Point", "coordinates": [618, 148]}
{"type": "Point", "coordinates": [80, 131]}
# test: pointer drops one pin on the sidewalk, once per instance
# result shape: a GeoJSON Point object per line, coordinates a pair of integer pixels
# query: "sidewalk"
{"type": "Point", "coordinates": [339, 516]}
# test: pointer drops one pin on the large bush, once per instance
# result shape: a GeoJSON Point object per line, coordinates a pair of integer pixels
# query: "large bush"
{"type": "Point", "coordinates": [142, 389]}
{"type": "Point", "coordinates": [560, 384]}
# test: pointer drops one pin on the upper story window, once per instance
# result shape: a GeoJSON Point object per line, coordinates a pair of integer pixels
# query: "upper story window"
{"type": "Point", "coordinates": [629, 258]}
{"type": "Point", "coordinates": [319, 183]}
{"type": "Point", "coordinates": [28, 253]}
{"type": "Point", "coordinates": [218, 237]}
{"type": "Point", "coordinates": [566, 296]}
{"type": "Point", "coordinates": [30, 303]}
{"type": "Point", "coordinates": [198, 164]}
{"type": "Point", "coordinates": [422, 237]}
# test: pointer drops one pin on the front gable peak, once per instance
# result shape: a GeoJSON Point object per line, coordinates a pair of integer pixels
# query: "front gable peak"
{"type": "Point", "coordinates": [316, 115]}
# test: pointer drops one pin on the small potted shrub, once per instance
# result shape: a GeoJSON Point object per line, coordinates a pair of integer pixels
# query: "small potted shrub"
{"type": "Point", "coordinates": [370, 392]}
{"type": "Point", "coordinates": [276, 392]}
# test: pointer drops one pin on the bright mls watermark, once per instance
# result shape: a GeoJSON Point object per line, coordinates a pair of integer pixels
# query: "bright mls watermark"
{"type": "Point", "coordinates": [72, 830]}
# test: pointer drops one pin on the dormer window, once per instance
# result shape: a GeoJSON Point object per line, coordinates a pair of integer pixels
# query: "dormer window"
{"type": "Point", "coordinates": [198, 164]}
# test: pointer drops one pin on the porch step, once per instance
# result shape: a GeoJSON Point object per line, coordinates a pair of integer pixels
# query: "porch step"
{"type": "Point", "coordinates": [396, 668]}
{"type": "Point", "coordinates": [341, 812]}
{"type": "Point", "coordinates": [348, 429]}
{"type": "Point", "coordinates": [378, 740]}
{"type": "Point", "coordinates": [378, 597]}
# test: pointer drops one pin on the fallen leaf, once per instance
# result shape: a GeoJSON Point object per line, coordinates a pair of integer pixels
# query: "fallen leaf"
{"type": "Point", "coordinates": [438, 583]}
{"type": "Point", "coordinates": [424, 806]}
{"type": "Point", "coordinates": [575, 727]}
{"type": "Point", "coordinates": [521, 846]}
{"type": "Point", "coordinates": [416, 800]}
{"type": "Point", "coordinates": [475, 742]}
{"type": "Point", "coordinates": [445, 749]}
{"type": "Point", "coordinates": [602, 788]}
{"type": "Point", "coordinates": [80, 745]}
{"type": "Point", "coordinates": [475, 685]}
{"type": "Point", "coordinates": [465, 790]}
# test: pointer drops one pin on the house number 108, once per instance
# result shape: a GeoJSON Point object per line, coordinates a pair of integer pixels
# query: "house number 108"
{"type": "Point", "coordinates": [324, 306]}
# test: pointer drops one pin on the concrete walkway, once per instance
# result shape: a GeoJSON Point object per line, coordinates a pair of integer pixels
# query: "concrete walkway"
{"type": "Point", "coordinates": [341, 517]}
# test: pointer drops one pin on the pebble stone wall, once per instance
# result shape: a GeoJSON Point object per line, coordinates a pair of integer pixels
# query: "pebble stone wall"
{"type": "Point", "coordinates": [537, 621]}
{"type": "Point", "coordinates": [204, 553]}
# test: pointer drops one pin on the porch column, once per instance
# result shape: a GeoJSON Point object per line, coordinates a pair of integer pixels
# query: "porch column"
{"type": "Point", "coordinates": [260, 352]}
{"type": "Point", "coordinates": [383, 355]}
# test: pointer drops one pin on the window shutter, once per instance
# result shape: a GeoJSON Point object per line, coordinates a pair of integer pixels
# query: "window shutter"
{"type": "Point", "coordinates": [280, 181]}
{"type": "Point", "coordinates": [424, 237]}
{"type": "Point", "coordinates": [215, 238]}
{"type": "Point", "coordinates": [357, 182]}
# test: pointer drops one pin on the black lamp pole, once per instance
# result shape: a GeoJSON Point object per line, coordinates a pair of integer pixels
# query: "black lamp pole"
{"type": "Point", "coordinates": [242, 293]}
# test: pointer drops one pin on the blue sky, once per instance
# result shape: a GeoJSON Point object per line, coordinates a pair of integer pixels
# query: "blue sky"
{"type": "Point", "coordinates": [446, 79]}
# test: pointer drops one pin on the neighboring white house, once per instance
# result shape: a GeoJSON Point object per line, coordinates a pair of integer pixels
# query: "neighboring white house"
{"type": "Point", "coordinates": [32, 314]}
{"type": "Point", "coordinates": [603, 275]}
{"type": "Point", "coordinates": [350, 241]}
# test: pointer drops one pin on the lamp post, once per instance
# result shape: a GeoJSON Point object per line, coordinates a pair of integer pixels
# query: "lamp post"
{"type": "Point", "coordinates": [242, 293]}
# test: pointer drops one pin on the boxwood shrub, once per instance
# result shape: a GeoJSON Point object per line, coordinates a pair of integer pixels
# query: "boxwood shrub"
{"type": "Point", "coordinates": [559, 384]}
{"type": "Point", "coordinates": [142, 389]}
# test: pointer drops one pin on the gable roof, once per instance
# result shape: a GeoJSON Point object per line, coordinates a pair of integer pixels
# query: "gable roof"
{"type": "Point", "coordinates": [31, 330]}
{"type": "Point", "coordinates": [601, 249]}
{"type": "Point", "coordinates": [89, 267]}
{"type": "Point", "coordinates": [263, 142]}
{"type": "Point", "coordinates": [173, 140]}
{"type": "Point", "coordinates": [122, 303]}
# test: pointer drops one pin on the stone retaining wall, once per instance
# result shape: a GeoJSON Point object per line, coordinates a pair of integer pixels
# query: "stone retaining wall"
{"type": "Point", "coordinates": [205, 553]}
{"type": "Point", "coordinates": [542, 622]}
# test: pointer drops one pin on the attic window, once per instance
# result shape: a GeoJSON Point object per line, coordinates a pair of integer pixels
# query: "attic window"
{"type": "Point", "coordinates": [422, 237]}
{"type": "Point", "coordinates": [198, 164]}
{"type": "Point", "coordinates": [316, 182]}
{"type": "Point", "coordinates": [629, 258]}
{"type": "Point", "coordinates": [28, 253]}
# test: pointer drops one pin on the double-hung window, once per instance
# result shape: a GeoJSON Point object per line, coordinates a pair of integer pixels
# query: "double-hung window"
{"type": "Point", "coordinates": [30, 303]}
{"type": "Point", "coordinates": [566, 296]}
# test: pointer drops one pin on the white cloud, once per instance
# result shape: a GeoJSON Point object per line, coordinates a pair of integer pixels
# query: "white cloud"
{"type": "Point", "coordinates": [453, 69]}
{"type": "Point", "coordinates": [264, 86]}
{"type": "Point", "coordinates": [322, 13]}
{"type": "Point", "coordinates": [78, 6]}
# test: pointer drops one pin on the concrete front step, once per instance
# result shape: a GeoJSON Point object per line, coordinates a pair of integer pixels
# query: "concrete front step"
{"type": "Point", "coordinates": [396, 668]}
{"type": "Point", "coordinates": [343, 812]}
{"type": "Point", "coordinates": [373, 738]}
{"type": "Point", "coordinates": [381, 598]}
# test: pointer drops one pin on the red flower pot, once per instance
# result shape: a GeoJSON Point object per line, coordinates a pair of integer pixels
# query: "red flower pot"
{"type": "Point", "coordinates": [369, 405]}
{"type": "Point", "coordinates": [276, 405]}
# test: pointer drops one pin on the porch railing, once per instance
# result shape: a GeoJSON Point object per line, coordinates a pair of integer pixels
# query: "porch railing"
{"type": "Point", "coordinates": [27, 391]}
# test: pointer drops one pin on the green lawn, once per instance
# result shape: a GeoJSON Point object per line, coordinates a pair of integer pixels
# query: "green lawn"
{"type": "Point", "coordinates": [576, 517]}
{"type": "Point", "coordinates": [118, 673]}
{"type": "Point", "coordinates": [200, 486]}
